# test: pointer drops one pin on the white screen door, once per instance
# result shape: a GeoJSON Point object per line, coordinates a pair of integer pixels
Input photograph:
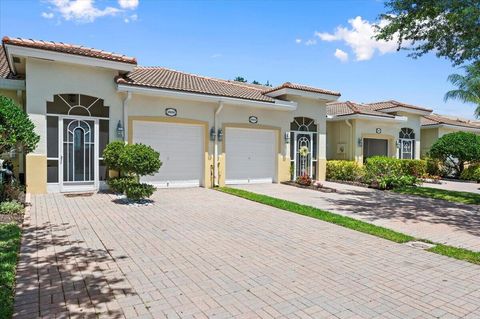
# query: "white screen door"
{"type": "Point", "coordinates": [79, 154]}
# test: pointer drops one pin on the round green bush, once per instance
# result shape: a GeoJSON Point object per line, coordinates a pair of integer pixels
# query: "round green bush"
{"type": "Point", "coordinates": [137, 191]}
{"type": "Point", "coordinates": [120, 184]}
{"type": "Point", "coordinates": [471, 173]}
{"type": "Point", "coordinates": [341, 170]}
{"type": "Point", "coordinates": [11, 207]}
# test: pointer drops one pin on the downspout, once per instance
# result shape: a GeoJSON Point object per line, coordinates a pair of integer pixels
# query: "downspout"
{"type": "Point", "coordinates": [125, 119]}
{"type": "Point", "coordinates": [352, 146]}
{"type": "Point", "coordinates": [216, 182]}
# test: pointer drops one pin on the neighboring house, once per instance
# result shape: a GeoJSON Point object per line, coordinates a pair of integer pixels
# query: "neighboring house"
{"type": "Point", "coordinates": [208, 131]}
{"type": "Point", "coordinates": [435, 126]}
{"type": "Point", "coordinates": [358, 131]}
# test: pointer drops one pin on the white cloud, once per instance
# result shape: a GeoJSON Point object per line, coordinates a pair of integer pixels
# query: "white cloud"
{"type": "Point", "coordinates": [341, 55]}
{"type": "Point", "coordinates": [48, 15]}
{"type": "Point", "coordinates": [216, 56]}
{"type": "Point", "coordinates": [360, 38]}
{"type": "Point", "coordinates": [128, 4]}
{"type": "Point", "coordinates": [298, 41]}
{"type": "Point", "coordinates": [132, 18]}
{"type": "Point", "coordinates": [310, 42]}
{"type": "Point", "coordinates": [88, 11]}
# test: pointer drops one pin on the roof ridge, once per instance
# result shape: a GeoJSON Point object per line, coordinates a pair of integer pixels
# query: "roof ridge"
{"type": "Point", "coordinates": [33, 43]}
{"type": "Point", "coordinates": [200, 76]}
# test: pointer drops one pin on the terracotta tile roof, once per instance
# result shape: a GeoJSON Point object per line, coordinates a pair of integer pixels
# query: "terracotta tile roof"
{"type": "Point", "coordinates": [163, 78]}
{"type": "Point", "coordinates": [4, 68]}
{"type": "Point", "coordinates": [392, 104]}
{"type": "Point", "coordinates": [69, 49]}
{"type": "Point", "coordinates": [351, 108]}
{"type": "Point", "coordinates": [288, 85]}
{"type": "Point", "coordinates": [436, 119]}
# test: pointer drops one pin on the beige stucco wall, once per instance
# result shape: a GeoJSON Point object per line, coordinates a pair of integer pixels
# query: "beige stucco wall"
{"type": "Point", "coordinates": [429, 136]}
{"type": "Point", "coordinates": [44, 79]}
{"type": "Point", "coordinates": [338, 132]}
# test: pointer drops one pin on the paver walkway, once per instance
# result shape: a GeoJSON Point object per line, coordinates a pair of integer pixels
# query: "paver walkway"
{"type": "Point", "coordinates": [437, 220]}
{"type": "Point", "coordinates": [456, 186]}
{"type": "Point", "coordinates": [198, 253]}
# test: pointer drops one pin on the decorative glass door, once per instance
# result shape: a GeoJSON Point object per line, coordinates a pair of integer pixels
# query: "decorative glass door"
{"type": "Point", "coordinates": [407, 143]}
{"type": "Point", "coordinates": [303, 147]}
{"type": "Point", "coordinates": [78, 153]}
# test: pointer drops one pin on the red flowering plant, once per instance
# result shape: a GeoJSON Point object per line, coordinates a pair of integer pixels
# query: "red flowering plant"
{"type": "Point", "coordinates": [304, 180]}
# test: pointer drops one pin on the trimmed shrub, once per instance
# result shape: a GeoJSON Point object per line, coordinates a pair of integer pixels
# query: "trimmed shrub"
{"type": "Point", "coordinates": [387, 173]}
{"type": "Point", "coordinates": [137, 191]}
{"type": "Point", "coordinates": [433, 167]}
{"type": "Point", "coordinates": [12, 207]}
{"type": "Point", "coordinates": [471, 173]}
{"type": "Point", "coordinates": [344, 171]}
{"type": "Point", "coordinates": [120, 184]}
{"type": "Point", "coordinates": [131, 161]}
{"type": "Point", "coordinates": [413, 167]}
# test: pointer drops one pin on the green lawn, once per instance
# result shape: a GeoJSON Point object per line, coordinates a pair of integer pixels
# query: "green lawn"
{"type": "Point", "coordinates": [364, 227]}
{"type": "Point", "coordinates": [9, 247]}
{"type": "Point", "coordinates": [451, 196]}
{"type": "Point", "coordinates": [333, 218]}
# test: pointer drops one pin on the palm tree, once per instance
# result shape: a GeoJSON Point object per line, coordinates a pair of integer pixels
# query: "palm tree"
{"type": "Point", "coordinates": [468, 86]}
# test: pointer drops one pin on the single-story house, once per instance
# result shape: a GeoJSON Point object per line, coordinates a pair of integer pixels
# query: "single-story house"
{"type": "Point", "coordinates": [208, 131]}
{"type": "Point", "coordinates": [435, 126]}
{"type": "Point", "coordinates": [357, 131]}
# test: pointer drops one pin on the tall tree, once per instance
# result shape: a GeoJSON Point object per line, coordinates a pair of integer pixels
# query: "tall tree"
{"type": "Point", "coordinates": [449, 28]}
{"type": "Point", "coordinates": [240, 79]}
{"type": "Point", "coordinates": [468, 86]}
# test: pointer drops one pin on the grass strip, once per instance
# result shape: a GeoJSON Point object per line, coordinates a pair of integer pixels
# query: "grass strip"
{"type": "Point", "coordinates": [451, 196]}
{"type": "Point", "coordinates": [457, 253]}
{"type": "Point", "coordinates": [9, 248]}
{"type": "Point", "coordinates": [348, 222]}
{"type": "Point", "coordinates": [310, 211]}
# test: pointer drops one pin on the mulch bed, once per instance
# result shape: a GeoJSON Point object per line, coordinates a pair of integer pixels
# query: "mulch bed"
{"type": "Point", "coordinates": [360, 184]}
{"type": "Point", "coordinates": [312, 187]}
{"type": "Point", "coordinates": [11, 218]}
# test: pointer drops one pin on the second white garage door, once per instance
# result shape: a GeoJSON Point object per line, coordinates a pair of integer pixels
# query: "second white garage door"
{"type": "Point", "coordinates": [250, 156]}
{"type": "Point", "coordinates": [181, 150]}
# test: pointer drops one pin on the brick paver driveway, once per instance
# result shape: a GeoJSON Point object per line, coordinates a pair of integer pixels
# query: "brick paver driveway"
{"type": "Point", "coordinates": [437, 220]}
{"type": "Point", "coordinates": [198, 253]}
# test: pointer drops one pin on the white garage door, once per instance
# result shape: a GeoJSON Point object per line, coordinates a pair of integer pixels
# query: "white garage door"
{"type": "Point", "coordinates": [181, 152]}
{"type": "Point", "coordinates": [250, 156]}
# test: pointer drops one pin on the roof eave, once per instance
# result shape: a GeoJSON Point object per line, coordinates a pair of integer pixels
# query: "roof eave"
{"type": "Point", "coordinates": [11, 84]}
{"type": "Point", "coordinates": [303, 93]}
{"type": "Point", "coordinates": [279, 105]}
{"type": "Point", "coordinates": [357, 116]}
{"type": "Point", "coordinates": [458, 127]}
{"type": "Point", "coordinates": [405, 110]}
{"type": "Point", "coordinates": [12, 49]}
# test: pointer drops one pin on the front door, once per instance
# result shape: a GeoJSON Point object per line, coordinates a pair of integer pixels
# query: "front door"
{"type": "Point", "coordinates": [79, 154]}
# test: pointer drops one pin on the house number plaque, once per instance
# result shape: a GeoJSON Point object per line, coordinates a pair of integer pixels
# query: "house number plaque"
{"type": "Point", "coordinates": [253, 119]}
{"type": "Point", "coordinates": [170, 112]}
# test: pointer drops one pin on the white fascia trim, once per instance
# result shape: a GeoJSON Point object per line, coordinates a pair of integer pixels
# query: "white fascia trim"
{"type": "Point", "coordinates": [333, 118]}
{"type": "Point", "coordinates": [456, 127]}
{"type": "Point", "coordinates": [405, 110]}
{"type": "Point", "coordinates": [9, 84]}
{"type": "Point", "coordinates": [306, 94]}
{"type": "Point", "coordinates": [67, 58]}
{"type": "Point", "coordinates": [277, 105]}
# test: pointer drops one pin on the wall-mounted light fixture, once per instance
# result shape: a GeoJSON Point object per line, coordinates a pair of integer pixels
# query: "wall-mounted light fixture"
{"type": "Point", "coordinates": [360, 142]}
{"type": "Point", "coordinates": [120, 129]}
{"type": "Point", "coordinates": [212, 134]}
{"type": "Point", "coordinates": [287, 137]}
{"type": "Point", "coordinates": [219, 135]}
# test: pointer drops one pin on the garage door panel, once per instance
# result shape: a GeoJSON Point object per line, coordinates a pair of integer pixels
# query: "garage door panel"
{"type": "Point", "coordinates": [250, 156]}
{"type": "Point", "coordinates": [181, 152]}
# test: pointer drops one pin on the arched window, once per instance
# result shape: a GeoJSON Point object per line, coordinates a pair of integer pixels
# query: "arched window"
{"type": "Point", "coordinates": [407, 133]}
{"type": "Point", "coordinates": [77, 104]}
{"type": "Point", "coordinates": [303, 124]}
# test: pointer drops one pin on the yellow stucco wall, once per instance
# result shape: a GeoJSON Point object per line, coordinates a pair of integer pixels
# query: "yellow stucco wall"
{"type": "Point", "coordinates": [36, 178]}
{"type": "Point", "coordinates": [339, 133]}
{"type": "Point", "coordinates": [429, 136]}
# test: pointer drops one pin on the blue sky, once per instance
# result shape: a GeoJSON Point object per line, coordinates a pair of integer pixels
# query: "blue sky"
{"type": "Point", "coordinates": [318, 43]}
